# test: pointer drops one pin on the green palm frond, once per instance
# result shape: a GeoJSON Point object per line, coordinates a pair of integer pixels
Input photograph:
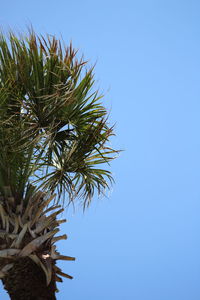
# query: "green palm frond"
{"type": "Point", "coordinates": [53, 126]}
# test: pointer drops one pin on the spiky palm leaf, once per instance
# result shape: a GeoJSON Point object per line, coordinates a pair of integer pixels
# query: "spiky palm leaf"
{"type": "Point", "coordinates": [53, 138]}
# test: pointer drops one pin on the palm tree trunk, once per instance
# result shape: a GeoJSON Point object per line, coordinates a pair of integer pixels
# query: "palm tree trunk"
{"type": "Point", "coordinates": [27, 281]}
{"type": "Point", "coordinates": [28, 252]}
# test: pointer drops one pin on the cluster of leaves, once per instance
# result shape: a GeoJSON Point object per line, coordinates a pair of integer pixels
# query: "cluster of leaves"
{"type": "Point", "coordinates": [53, 127]}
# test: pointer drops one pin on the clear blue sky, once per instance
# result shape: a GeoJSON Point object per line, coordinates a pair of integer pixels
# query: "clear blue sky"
{"type": "Point", "coordinates": [143, 242]}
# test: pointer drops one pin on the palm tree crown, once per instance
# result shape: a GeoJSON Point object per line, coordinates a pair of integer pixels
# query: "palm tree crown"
{"type": "Point", "coordinates": [53, 127]}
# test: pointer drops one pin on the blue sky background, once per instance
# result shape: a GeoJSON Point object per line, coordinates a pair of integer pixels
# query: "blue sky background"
{"type": "Point", "coordinates": [143, 242]}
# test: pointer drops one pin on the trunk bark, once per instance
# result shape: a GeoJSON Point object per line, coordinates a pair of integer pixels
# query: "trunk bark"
{"type": "Point", "coordinates": [27, 281]}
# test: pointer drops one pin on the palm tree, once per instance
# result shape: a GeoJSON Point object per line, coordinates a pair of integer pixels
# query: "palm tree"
{"type": "Point", "coordinates": [53, 139]}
